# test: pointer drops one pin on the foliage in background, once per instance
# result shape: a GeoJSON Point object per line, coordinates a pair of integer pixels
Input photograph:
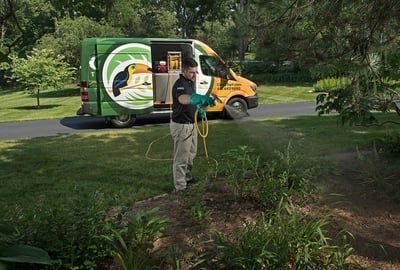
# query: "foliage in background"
{"type": "Point", "coordinates": [66, 40]}
{"type": "Point", "coordinates": [364, 48]}
{"type": "Point", "coordinates": [307, 32]}
{"type": "Point", "coordinates": [273, 72]}
{"type": "Point", "coordinates": [363, 93]}
{"type": "Point", "coordinates": [144, 18]}
{"type": "Point", "coordinates": [214, 33]}
{"type": "Point", "coordinates": [41, 71]}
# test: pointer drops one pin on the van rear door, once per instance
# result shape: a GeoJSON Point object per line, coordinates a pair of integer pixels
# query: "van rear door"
{"type": "Point", "coordinates": [125, 77]}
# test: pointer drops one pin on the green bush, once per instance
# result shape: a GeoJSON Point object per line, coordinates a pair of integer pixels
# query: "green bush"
{"type": "Point", "coordinates": [72, 233]}
{"type": "Point", "coordinates": [390, 143]}
{"type": "Point", "coordinates": [40, 71]}
{"type": "Point", "coordinates": [262, 72]}
{"type": "Point", "coordinates": [329, 84]}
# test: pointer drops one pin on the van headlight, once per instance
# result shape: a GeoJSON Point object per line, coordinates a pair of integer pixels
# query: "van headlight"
{"type": "Point", "coordinates": [254, 87]}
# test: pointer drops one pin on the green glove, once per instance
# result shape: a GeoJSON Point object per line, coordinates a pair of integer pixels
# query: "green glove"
{"type": "Point", "coordinates": [202, 101]}
{"type": "Point", "coordinates": [201, 112]}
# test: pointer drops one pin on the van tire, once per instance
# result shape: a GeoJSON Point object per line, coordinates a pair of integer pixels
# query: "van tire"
{"type": "Point", "coordinates": [239, 106]}
{"type": "Point", "coordinates": [123, 121]}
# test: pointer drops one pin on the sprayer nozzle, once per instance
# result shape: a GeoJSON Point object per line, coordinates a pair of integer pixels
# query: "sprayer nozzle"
{"type": "Point", "coordinates": [215, 97]}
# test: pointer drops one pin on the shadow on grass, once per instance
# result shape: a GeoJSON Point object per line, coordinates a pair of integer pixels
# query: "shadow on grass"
{"type": "Point", "coordinates": [87, 122]}
{"type": "Point", "coordinates": [67, 92]}
{"type": "Point", "coordinates": [9, 90]}
{"type": "Point", "coordinates": [34, 107]}
{"type": "Point", "coordinates": [112, 163]}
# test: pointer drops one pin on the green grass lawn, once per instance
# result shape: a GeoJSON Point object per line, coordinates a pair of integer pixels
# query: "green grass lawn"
{"type": "Point", "coordinates": [271, 94]}
{"type": "Point", "coordinates": [48, 170]}
{"type": "Point", "coordinates": [59, 187]}
{"type": "Point", "coordinates": [20, 106]}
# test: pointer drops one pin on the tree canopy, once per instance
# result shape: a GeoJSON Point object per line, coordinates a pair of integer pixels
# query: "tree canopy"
{"type": "Point", "coordinates": [329, 38]}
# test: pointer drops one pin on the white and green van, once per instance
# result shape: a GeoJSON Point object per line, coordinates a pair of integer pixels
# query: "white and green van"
{"type": "Point", "coordinates": [121, 78]}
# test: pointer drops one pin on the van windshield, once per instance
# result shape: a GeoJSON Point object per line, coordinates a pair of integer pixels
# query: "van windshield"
{"type": "Point", "coordinates": [212, 66]}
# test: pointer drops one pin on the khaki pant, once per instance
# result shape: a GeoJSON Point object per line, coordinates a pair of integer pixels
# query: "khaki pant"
{"type": "Point", "coordinates": [185, 149]}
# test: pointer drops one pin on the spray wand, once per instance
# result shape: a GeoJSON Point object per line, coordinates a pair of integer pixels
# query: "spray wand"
{"type": "Point", "coordinates": [215, 98]}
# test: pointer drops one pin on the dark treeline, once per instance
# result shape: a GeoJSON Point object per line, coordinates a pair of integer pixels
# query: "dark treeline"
{"type": "Point", "coordinates": [324, 36]}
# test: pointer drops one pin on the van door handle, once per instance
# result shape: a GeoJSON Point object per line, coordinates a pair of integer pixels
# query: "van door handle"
{"type": "Point", "coordinates": [204, 82]}
{"type": "Point", "coordinates": [146, 83]}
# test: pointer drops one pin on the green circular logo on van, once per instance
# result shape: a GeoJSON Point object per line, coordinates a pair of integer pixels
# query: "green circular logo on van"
{"type": "Point", "coordinates": [127, 76]}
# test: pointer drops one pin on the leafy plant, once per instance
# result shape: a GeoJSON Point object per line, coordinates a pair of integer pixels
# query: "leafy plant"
{"type": "Point", "coordinates": [10, 253]}
{"type": "Point", "coordinates": [145, 227]}
{"type": "Point", "coordinates": [198, 212]}
{"type": "Point", "coordinates": [330, 84]}
{"type": "Point", "coordinates": [71, 233]}
{"type": "Point", "coordinates": [132, 244]}
{"type": "Point", "coordinates": [239, 161]}
{"type": "Point", "coordinates": [129, 258]}
{"type": "Point", "coordinates": [282, 239]}
{"type": "Point", "coordinates": [297, 168]}
{"type": "Point", "coordinates": [268, 182]}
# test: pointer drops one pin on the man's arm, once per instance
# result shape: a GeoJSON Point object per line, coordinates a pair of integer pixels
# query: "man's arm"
{"type": "Point", "coordinates": [196, 99]}
{"type": "Point", "coordinates": [184, 99]}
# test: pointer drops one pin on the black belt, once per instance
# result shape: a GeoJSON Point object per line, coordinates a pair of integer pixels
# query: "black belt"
{"type": "Point", "coordinates": [183, 122]}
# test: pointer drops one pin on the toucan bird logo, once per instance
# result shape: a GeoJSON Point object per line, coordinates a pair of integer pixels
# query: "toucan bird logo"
{"type": "Point", "coordinates": [123, 79]}
{"type": "Point", "coordinates": [127, 77]}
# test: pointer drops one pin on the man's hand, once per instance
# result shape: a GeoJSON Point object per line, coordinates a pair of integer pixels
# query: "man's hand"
{"type": "Point", "coordinates": [201, 100]}
{"type": "Point", "coordinates": [201, 113]}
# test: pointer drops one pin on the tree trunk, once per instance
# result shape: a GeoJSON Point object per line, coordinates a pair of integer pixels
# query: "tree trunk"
{"type": "Point", "coordinates": [242, 47]}
{"type": "Point", "coordinates": [37, 100]}
{"type": "Point", "coordinates": [56, 28]}
{"type": "Point", "coordinates": [2, 35]}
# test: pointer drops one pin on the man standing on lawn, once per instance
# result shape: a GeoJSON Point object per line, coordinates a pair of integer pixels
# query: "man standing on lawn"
{"type": "Point", "coordinates": [182, 126]}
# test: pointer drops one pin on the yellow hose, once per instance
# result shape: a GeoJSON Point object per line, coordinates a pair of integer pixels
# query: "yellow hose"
{"type": "Point", "coordinates": [204, 132]}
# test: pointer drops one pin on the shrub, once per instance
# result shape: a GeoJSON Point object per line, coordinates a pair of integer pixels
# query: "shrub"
{"type": "Point", "coordinates": [41, 70]}
{"type": "Point", "coordinates": [329, 84]}
{"type": "Point", "coordinates": [390, 143]}
{"type": "Point", "coordinates": [263, 72]}
{"type": "Point", "coordinates": [71, 234]}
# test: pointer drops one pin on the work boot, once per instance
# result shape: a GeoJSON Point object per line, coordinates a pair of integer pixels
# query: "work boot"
{"type": "Point", "coordinates": [193, 180]}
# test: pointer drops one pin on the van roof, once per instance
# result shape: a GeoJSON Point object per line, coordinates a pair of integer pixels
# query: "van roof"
{"type": "Point", "coordinates": [135, 39]}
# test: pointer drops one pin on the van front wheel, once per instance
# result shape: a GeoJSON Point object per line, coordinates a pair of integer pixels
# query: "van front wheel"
{"type": "Point", "coordinates": [236, 108]}
{"type": "Point", "coordinates": [123, 121]}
